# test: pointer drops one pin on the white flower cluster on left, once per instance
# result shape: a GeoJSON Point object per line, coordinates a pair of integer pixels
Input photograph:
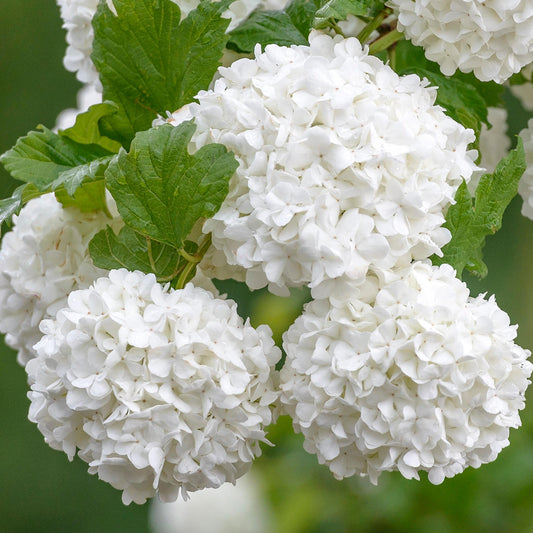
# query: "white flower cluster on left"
{"type": "Point", "coordinates": [160, 390]}
{"type": "Point", "coordinates": [42, 259]}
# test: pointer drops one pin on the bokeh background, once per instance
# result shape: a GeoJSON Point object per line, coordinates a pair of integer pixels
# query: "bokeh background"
{"type": "Point", "coordinates": [41, 492]}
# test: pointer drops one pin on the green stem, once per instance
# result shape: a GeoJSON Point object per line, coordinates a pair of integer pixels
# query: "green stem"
{"type": "Point", "coordinates": [182, 280]}
{"type": "Point", "coordinates": [204, 246]}
{"type": "Point", "coordinates": [191, 265]}
{"type": "Point", "coordinates": [337, 29]}
{"type": "Point", "coordinates": [374, 24]}
{"type": "Point", "coordinates": [385, 41]}
{"type": "Point", "coordinates": [190, 258]}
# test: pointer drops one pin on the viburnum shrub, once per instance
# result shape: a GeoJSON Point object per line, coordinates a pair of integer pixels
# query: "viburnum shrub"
{"type": "Point", "coordinates": [330, 152]}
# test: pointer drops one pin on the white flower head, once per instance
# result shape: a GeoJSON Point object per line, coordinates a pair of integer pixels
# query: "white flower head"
{"type": "Point", "coordinates": [525, 186]}
{"type": "Point", "coordinates": [42, 259]}
{"type": "Point", "coordinates": [342, 163]}
{"type": "Point", "coordinates": [160, 390]}
{"type": "Point", "coordinates": [492, 38]}
{"type": "Point", "coordinates": [77, 18]}
{"type": "Point", "coordinates": [409, 374]}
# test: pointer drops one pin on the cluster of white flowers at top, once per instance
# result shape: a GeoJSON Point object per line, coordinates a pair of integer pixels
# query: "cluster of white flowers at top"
{"type": "Point", "coordinates": [77, 16]}
{"type": "Point", "coordinates": [409, 374]}
{"type": "Point", "coordinates": [492, 38]}
{"type": "Point", "coordinates": [42, 259]}
{"type": "Point", "coordinates": [160, 390]}
{"type": "Point", "coordinates": [342, 163]}
{"type": "Point", "coordinates": [525, 186]}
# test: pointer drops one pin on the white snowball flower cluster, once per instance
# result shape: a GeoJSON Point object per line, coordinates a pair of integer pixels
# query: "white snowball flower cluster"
{"type": "Point", "coordinates": [525, 186]}
{"type": "Point", "coordinates": [409, 374]}
{"type": "Point", "coordinates": [77, 16]}
{"type": "Point", "coordinates": [342, 163]}
{"type": "Point", "coordinates": [492, 38]}
{"type": "Point", "coordinates": [42, 259]}
{"type": "Point", "coordinates": [160, 390]}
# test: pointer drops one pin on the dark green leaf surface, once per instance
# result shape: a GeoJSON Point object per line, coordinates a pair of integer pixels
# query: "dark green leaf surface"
{"type": "Point", "coordinates": [150, 63]}
{"type": "Point", "coordinates": [340, 9]}
{"type": "Point", "coordinates": [290, 26]}
{"type": "Point", "coordinates": [73, 178]}
{"type": "Point", "coordinates": [86, 130]}
{"type": "Point", "coordinates": [266, 27]}
{"type": "Point", "coordinates": [161, 191]}
{"type": "Point", "coordinates": [470, 223]}
{"type": "Point", "coordinates": [90, 196]}
{"type": "Point", "coordinates": [302, 14]}
{"type": "Point", "coordinates": [41, 156]}
{"type": "Point", "coordinates": [130, 250]}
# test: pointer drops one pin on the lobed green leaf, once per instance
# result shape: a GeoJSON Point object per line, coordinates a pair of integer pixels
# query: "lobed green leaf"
{"type": "Point", "coordinates": [470, 223]}
{"type": "Point", "coordinates": [161, 190]}
{"type": "Point", "coordinates": [133, 251]}
{"type": "Point", "coordinates": [151, 62]}
{"type": "Point", "coordinates": [42, 156]}
{"type": "Point", "coordinates": [87, 128]}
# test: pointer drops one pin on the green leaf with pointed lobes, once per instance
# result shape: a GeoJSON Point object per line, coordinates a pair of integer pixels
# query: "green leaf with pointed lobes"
{"type": "Point", "coordinates": [470, 223]}
{"type": "Point", "coordinates": [151, 61]}
{"type": "Point", "coordinates": [133, 251]}
{"type": "Point", "coordinates": [161, 190]}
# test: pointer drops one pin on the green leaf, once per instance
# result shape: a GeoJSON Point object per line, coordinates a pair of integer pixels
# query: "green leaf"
{"type": "Point", "coordinates": [90, 196]}
{"type": "Point", "coordinates": [12, 205]}
{"type": "Point", "coordinates": [266, 27]}
{"type": "Point", "coordinates": [470, 223]}
{"type": "Point", "coordinates": [340, 9]}
{"type": "Point", "coordinates": [131, 250]}
{"type": "Point", "coordinates": [302, 14]}
{"type": "Point", "coordinates": [150, 63]}
{"type": "Point", "coordinates": [161, 190]}
{"type": "Point", "coordinates": [41, 156]}
{"type": "Point", "coordinates": [86, 130]}
{"type": "Point", "coordinates": [283, 27]}
{"type": "Point", "coordinates": [73, 178]}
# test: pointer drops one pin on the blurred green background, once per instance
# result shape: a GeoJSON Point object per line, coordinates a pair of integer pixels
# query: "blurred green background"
{"type": "Point", "coordinates": [41, 492]}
